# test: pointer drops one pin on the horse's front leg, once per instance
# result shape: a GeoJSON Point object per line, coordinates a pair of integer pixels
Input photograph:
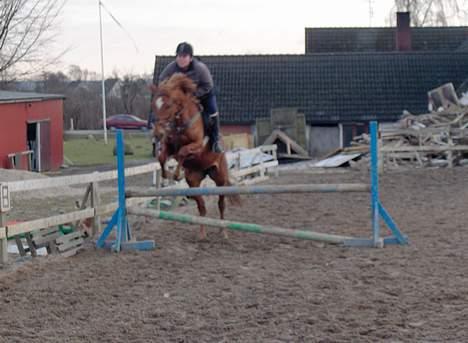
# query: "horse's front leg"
{"type": "Point", "coordinates": [180, 163]}
{"type": "Point", "coordinates": [162, 158]}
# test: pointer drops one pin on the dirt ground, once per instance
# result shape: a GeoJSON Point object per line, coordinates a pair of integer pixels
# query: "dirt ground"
{"type": "Point", "coordinates": [257, 288]}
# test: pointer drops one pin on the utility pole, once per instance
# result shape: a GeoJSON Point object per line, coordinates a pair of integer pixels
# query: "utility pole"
{"type": "Point", "coordinates": [102, 78]}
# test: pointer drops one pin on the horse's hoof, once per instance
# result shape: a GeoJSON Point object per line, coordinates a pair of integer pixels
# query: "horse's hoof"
{"type": "Point", "coordinates": [202, 236]}
{"type": "Point", "coordinates": [224, 232]}
{"type": "Point", "coordinates": [203, 239]}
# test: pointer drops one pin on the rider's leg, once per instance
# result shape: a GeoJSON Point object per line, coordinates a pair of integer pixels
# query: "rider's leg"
{"type": "Point", "coordinates": [215, 136]}
{"type": "Point", "coordinates": [211, 121]}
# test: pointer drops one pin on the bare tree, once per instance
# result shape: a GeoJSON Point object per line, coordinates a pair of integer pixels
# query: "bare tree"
{"type": "Point", "coordinates": [53, 83]}
{"type": "Point", "coordinates": [76, 73]}
{"type": "Point", "coordinates": [26, 31]}
{"type": "Point", "coordinates": [433, 12]}
{"type": "Point", "coordinates": [83, 95]}
{"type": "Point", "coordinates": [135, 94]}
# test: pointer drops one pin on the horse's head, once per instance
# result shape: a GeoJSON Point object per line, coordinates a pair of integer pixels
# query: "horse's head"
{"type": "Point", "coordinates": [171, 99]}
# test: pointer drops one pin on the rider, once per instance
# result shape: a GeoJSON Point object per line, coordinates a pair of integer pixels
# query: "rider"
{"type": "Point", "coordinates": [201, 76]}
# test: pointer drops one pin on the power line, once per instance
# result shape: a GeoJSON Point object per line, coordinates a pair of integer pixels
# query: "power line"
{"type": "Point", "coordinates": [120, 25]}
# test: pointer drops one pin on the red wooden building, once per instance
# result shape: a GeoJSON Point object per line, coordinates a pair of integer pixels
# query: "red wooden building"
{"type": "Point", "coordinates": [31, 130]}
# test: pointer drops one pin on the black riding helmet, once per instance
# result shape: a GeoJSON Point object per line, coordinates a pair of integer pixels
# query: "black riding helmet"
{"type": "Point", "coordinates": [184, 48]}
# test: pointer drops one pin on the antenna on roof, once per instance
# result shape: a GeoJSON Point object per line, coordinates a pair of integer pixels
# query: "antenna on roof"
{"type": "Point", "coordinates": [371, 11]}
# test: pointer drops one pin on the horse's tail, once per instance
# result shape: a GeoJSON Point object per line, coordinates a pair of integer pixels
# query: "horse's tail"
{"type": "Point", "coordinates": [234, 199]}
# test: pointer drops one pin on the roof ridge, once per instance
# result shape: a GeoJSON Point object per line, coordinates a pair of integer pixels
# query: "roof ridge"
{"type": "Point", "coordinates": [341, 53]}
{"type": "Point", "coordinates": [383, 27]}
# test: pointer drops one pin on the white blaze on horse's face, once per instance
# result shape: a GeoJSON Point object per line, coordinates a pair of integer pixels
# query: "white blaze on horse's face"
{"type": "Point", "coordinates": [159, 102]}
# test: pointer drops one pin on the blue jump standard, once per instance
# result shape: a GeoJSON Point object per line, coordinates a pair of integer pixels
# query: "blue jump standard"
{"type": "Point", "coordinates": [119, 220]}
{"type": "Point", "coordinates": [377, 209]}
{"type": "Point", "coordinates": [124, 239]}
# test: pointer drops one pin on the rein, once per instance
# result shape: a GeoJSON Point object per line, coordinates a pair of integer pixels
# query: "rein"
{"type": "Point", "coordinates": [186, 125]}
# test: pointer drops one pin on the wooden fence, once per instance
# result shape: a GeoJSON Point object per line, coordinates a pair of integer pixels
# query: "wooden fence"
{"type": "Point", "coordinates": [91, 206]}
{"type": "Point", "coordinates": [95, 209]}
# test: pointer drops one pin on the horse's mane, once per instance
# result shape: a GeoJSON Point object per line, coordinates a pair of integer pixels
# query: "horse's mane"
{"type": "Point", "coordinates": [181, 82]}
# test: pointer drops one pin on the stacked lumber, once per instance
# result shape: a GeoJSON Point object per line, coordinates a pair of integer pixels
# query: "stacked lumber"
{"type": "Point", "coordinates": [433, 139]}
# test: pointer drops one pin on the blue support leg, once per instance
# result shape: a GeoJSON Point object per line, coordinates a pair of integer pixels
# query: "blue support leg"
{"type": "Point", "coordinates": [100, 243]}
{"type": "Point", "coordinates": [119, 218]}
{"type": "Point", "coordinates": [374, 185]}
{"type": "Point", "coordinates": [400, 238]}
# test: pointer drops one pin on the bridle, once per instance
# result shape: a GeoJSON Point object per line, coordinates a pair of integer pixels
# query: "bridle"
{"type": "Point", "coordinates": [173, 125]}
{"type": "Point", "coordinates": [186, 124]}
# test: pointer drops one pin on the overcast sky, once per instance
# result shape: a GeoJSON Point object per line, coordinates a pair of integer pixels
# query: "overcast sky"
{"type": "Point", "coordinates": [212, 26]}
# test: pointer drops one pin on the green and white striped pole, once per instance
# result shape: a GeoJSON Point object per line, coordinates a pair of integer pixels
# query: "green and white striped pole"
{"type": "Point", "coordinates": [237, 226]}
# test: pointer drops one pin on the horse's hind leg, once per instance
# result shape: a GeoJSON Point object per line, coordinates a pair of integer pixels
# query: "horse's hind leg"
{"type": "Point", "coordinates": [202, 211]}
{"type": "Point", "coordinates": [222, 207]}
{"type": "Point", "coordinates": [194, 179]}
{"type": "Point", "coordinates": [221, 179]}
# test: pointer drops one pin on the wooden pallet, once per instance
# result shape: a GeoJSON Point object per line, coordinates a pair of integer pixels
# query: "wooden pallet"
{"type": "Point", "coordinates": [68, 245]}
{"type": "Point", "coordinates": [51, 239]}
{"type": "Point", "coordinates": [38, 239]}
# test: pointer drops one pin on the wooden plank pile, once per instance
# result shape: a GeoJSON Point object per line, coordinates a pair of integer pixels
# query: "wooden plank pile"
{"type": "Point", "coordinates": [433, 139]}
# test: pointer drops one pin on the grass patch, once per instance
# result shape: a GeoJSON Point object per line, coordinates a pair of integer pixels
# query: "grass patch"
{"type": "Point", "coordinates": [92, 151]}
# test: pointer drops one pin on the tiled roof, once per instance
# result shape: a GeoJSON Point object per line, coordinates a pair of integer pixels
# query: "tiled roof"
{"type": "Point", "coordinates": [8, 96]}
{"type": "Point", "coordinates": [463, 47]}
{"type": "Point", "coordinates": [329, 88]}
{"type": "Point", "coordinates": [374, 39]}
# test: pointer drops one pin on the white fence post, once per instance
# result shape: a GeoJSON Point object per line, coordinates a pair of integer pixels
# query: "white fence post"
{"type": "Point", "coordinates": [4, 208]}
{"type": "Point", "coordinates": [95, 202]}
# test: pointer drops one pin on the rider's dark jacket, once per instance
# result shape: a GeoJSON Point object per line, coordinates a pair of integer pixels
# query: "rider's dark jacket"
{"type": "Point", "coordinates": [197, 71]}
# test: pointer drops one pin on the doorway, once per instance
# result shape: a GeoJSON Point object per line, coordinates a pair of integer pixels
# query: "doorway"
{"type": "Point", "coordinates": [38, 140]}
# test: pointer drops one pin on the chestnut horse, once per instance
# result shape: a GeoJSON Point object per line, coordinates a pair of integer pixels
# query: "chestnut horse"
{"type": "Point", "coordinates": [181, 132]}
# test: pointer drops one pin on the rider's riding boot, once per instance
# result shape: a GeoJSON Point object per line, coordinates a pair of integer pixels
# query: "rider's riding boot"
{"type": "Point", "coordinates": [214, 133]}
